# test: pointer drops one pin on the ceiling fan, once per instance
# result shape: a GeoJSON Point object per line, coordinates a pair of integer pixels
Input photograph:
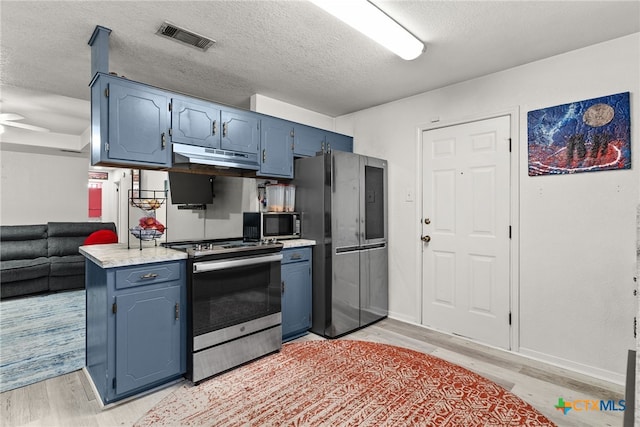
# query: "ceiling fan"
{"type": "Point", "coordinates": [9, 119]}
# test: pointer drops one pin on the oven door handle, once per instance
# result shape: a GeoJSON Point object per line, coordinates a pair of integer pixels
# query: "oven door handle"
{"type": "Point", "coordinates": [201, 267]}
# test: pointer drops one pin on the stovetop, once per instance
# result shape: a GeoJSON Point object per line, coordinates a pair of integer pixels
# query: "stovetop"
{"type": "Point", "coordinates": [202, 248]}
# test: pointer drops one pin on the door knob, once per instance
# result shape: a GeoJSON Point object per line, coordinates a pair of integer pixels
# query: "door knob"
{"type": "Point", "coordinates": [425, 238]}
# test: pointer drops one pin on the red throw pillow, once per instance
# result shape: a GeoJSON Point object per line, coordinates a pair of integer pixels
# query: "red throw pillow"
{"type": "Point", "coordinates": [101, 237]}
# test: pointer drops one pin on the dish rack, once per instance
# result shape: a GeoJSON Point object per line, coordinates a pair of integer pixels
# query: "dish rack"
{"type": "Point", "coordinates": [146, 204]}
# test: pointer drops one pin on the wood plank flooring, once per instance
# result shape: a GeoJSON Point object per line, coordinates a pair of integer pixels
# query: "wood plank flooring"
{"type": "Point", "coordinates": [69, 401]}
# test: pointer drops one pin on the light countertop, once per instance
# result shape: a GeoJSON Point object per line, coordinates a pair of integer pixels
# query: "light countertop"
{"type": "Point", "coordinates": [296, 243]}
{"type": "Point", "coordinates": [117, 254]}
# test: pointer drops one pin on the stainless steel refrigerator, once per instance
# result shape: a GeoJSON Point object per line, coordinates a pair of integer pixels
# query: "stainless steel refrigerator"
{"type": "Point", "coordinates": [342, 198]}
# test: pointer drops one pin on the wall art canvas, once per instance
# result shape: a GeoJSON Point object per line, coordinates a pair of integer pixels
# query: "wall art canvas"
{"type": "Point", "coordinates": [585, 136]}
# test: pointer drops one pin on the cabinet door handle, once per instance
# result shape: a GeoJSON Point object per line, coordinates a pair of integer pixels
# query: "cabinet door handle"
{"type": "Point", "coordinates": [177, 310]}
{"type": "Point", "coordinates": [264, 155]}
{"type": "Point", "coordinates": [296, 256]}
{"type": "Point", "coordinates": [214, 127]}
{"type": "Point", "coordinates": [224, 129]}
{"type": "Point", "coordinates": [149, 276]}
{"type": "Point", "coordinates": [164, 140]}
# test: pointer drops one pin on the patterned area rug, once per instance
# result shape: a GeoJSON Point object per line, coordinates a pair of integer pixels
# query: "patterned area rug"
{"type": "Point", "coordinates": [345, 383]}
{"type": "Point", "coordinates": [41, 337]}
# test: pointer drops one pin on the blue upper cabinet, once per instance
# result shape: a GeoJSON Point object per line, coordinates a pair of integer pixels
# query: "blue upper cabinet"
{"type": "Point", "coordinates": [195, 122]}
{"type": "Point", "coordinates": [240, 131]}
{"type": "Point", "coordinates": [276, 148]}
{"type": "Point", "coordinates": [338, 142]}
{"type": "Point", "coordinates": [129, 124]}
{"type": "Point", "coordinates": [134, 125]}
{"type": "Point", "coordinates": [308, 141]}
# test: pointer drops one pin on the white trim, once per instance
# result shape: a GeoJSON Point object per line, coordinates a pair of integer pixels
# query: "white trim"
{"type": "Point", "coordinates": [602, 374]}
{"type": "Point", "coordinates": [577, 368]}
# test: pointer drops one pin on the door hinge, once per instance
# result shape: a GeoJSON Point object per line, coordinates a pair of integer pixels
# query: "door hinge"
{"type": "Point", "coordinates": [177, 310]}
{"type": "Point", "coordinates": [170, 131]}
{"type": "Point", "coordinates": [170, 106]}
{"type": "Point", "coordinates": [113, 383]}
{"type": "Point", "coordinates": [509, 318]}
{"type": "Point", "coordinates": [509, 231]}
{"type": "Point", "coordinates": [106, 146]}
{"type": "Point", "coordinates": [106, 92]}
{"type": "Point", "coordinates": [635, 327]}
{"type": "Point", "coordinates": [509, 144]}
{"type": "Point", "coordinates": [114, 308]}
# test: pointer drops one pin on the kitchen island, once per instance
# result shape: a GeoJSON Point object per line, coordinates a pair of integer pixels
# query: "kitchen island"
{"type": "Point", "coordinates": [137, 310]}
{"type": "Point", "coordinates": [136, 322]}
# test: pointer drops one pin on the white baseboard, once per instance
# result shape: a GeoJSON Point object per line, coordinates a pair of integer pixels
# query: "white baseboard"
{"type": "Point", "coordinates": [582, 369]}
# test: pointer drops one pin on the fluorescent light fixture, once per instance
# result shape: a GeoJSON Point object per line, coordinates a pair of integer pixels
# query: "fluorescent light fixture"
{"type": "Point", "coordinates": [375, 24]}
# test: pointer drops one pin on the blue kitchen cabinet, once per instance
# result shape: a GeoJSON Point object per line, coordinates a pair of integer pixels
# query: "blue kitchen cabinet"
{"type": "Point", "coordinates": [136, 327]}
{"type": "Point", "coordinates": [338, 142]}
{"type": "Point", "coordinates": [129, 124]}
{"type": "Point", "coordinates": [240, 131]}
{"type": "Point", "coordinates": [296, 292]}
{"type": "Point", "coordinates": [195, 122]}
{"type": "Point", "coordinates": [276, 148]}
{"type": "Point", "coordinates": [308, 141]}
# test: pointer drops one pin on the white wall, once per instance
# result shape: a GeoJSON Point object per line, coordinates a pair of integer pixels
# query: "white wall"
{"type": "Point", "coordinates": [37, 188]}
{"type": "Point", "coordinates": [276, 108]}
{"type": "Point", "coordinates": [575, 234]}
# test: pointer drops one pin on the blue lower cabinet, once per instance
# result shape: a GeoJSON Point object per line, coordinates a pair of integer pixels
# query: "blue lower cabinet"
{"type": "Point", "coordinates": [296, 292]}
{"type": "Point", "coordinates": [136, 329]}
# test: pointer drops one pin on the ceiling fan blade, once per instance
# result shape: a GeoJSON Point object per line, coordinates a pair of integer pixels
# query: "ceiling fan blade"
{"type": "Point", "coordinates": [10, 116]}
{"type": "Point", "coordinates": [23, 126]}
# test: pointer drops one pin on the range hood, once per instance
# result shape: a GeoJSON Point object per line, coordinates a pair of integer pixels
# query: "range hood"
{"type": "Point", "coordinates": [223, 159]}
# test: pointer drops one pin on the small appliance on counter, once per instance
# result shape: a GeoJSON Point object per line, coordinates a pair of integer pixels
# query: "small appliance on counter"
{"type": "Point", "coordinates": [259, 226]}
{"type": "Point", "coordinates": [281, 197]}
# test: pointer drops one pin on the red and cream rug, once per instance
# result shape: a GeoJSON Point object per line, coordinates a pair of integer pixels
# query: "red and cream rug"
{"type": "Point", "coordinates": [345, 383]}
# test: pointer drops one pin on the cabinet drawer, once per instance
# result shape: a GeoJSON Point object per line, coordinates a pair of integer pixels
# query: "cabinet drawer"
{"type": "Point", "coordinates": [296, 255]}
{"type": "Point", "coordinates": [141, 275]}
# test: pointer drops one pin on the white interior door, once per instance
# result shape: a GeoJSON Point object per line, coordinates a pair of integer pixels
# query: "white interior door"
{"type": "Point", "coordinates": [466, 203]}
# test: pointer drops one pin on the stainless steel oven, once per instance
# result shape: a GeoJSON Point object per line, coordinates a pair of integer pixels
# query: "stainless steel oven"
{"type": "Point", "coordinates": [234, 294]}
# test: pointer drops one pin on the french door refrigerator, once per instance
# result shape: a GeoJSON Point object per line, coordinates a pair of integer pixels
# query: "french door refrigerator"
{"type": "Point", "coordinates": [342, 198]}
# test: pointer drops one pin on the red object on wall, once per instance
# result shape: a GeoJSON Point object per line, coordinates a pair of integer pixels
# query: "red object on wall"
{"type": "Point", "coordinates": [95, 200]}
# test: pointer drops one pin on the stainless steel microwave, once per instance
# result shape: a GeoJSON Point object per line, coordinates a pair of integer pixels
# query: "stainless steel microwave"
{"type": "Point", "coordinates": [258, 226]}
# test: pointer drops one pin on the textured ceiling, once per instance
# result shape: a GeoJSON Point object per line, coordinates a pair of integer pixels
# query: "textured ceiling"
{"type": "Point", "coordinates": [288, 50]}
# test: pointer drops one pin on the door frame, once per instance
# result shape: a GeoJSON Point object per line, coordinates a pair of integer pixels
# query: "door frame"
{"type": "Point", "coordinates": [514, 249]}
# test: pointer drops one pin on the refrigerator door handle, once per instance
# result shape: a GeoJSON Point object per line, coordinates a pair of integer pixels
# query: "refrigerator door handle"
{"type": "Point", "coordinates": [344, 249]}
{"type": "Point", "coordinates": [373, 246]}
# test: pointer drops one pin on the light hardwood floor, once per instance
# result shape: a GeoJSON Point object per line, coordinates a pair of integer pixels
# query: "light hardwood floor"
{"type": "Point", "coordinates": [69, 401]}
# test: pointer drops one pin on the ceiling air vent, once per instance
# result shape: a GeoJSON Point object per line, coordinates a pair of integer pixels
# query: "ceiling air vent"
{"type": "Point", "coordinates": [172, 31]}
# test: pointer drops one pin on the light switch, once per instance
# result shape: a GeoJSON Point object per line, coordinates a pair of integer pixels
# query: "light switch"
{"type": "Point", "coordinates": [408, 194]}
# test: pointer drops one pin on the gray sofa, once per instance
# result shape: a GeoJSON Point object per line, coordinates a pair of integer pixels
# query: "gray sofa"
{"type": "Point", "coordinates": [43, 258]}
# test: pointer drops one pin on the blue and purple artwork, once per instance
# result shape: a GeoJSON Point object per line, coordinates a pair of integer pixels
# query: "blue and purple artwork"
{"type": "Point", "coordinates": [584, 136]}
